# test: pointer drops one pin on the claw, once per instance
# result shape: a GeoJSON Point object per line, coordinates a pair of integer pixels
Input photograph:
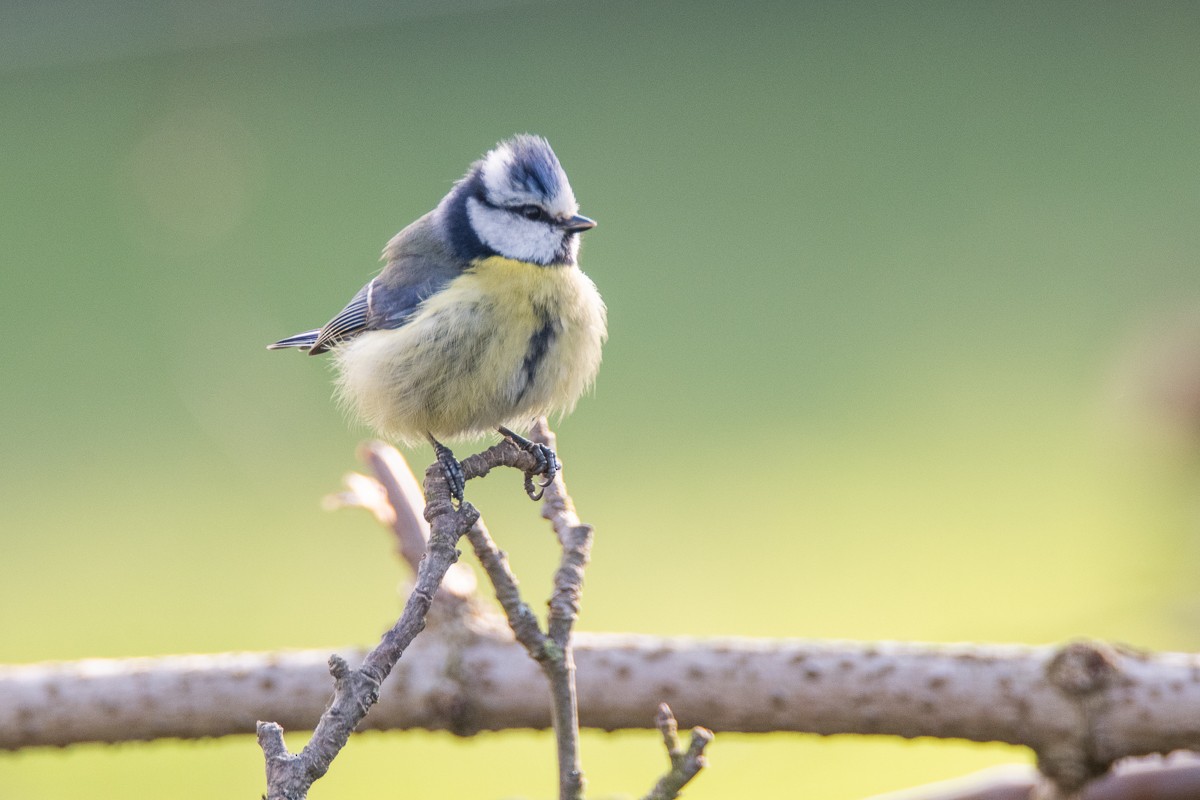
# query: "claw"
{"type": "Point", "coordinates": [450, 468]}
{"type": "Point", "coordinates": [546, 463]}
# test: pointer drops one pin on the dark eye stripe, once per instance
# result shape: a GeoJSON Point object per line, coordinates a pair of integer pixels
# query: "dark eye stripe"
{"type": "Point", "coordinates": [531, 212]}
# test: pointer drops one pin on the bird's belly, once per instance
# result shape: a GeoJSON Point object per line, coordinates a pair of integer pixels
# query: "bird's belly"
{"type": "Point", "coordinates": [499, 346]}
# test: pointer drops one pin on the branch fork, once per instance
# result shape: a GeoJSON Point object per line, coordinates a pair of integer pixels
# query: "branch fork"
{"type": "Point", "coordinates": [393, 498]}
{"type": "Point", "coordinates": [685, 764]}
{"type": "Point", "coordinates": [357, 690]}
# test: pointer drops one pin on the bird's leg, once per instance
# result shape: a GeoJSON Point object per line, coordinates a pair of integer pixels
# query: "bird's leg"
{"type": "Point", "coordinates": [450, 468]}
{"type": "Point", "coordinates": [547, 462]}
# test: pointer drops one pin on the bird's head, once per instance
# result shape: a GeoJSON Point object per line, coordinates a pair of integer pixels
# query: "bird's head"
{"type": "Point", "coordinates": [520, 204]}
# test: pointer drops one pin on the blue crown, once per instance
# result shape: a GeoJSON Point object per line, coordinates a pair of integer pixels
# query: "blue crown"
{"type": "Point", "coordinates": [534, 166]}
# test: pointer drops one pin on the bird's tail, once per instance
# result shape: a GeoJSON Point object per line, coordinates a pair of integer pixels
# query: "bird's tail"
{"type": "Point", "coordinates": [304, 341]}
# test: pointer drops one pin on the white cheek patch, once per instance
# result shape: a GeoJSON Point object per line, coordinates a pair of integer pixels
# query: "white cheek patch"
{"type": "Point", "coordinates": [513, 236]}
{"type": "Point", "coordinates": [573, 249]}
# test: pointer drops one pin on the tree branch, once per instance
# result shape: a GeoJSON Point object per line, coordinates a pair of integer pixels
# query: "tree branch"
{"type": "Point", "coordinates": [1176, 777]}
{"type": "Point", "coordinates": [1081, 706]}
{"type": "Point", "coordinates": [553, 651]}
{"type": "Point", "coordinates": [976, 692]}
{"type": "Point", "coordinates": [575, 539]}
{"type": "Point", "coordinates": [357, 690]}
{"type": "Point", "coordinates": [685, 764]}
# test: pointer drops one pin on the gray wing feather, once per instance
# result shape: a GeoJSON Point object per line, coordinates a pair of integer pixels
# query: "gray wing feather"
{"type": "Point", "coordinates": [393, 304]}
{"type": "Point", "coordinates": [420, 264]}
{"type": "Point", "coordinates": [302, 341]}
{"type": "Point", "coordinates": [350, 321]}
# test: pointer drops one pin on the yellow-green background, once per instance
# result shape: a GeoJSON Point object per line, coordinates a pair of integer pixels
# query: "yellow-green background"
{"type": "Point", "coordinates": [895, 293]}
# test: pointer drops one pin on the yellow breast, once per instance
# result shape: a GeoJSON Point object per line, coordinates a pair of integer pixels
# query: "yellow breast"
{"type": "Point", "coordinates": [503, 343]}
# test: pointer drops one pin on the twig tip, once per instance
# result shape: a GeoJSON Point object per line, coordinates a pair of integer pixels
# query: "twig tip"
{"type": "Point", "coordinates": [270, 739]}
{"type": "Point", "coordinates": [701, 738]}
{"type": "Point", "coordinates": [338, 667]}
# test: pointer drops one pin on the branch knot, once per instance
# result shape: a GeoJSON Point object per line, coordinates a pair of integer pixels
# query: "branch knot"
{"type": "Point", "coordinates": [1083, 668]}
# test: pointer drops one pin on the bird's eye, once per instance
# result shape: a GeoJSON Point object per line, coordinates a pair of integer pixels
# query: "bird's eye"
{"type": "Point", "coordinates": [534, 213]}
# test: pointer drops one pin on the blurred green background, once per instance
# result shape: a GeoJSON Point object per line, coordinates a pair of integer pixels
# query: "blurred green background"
{"type": "Point", "coordinates": [905, 341]}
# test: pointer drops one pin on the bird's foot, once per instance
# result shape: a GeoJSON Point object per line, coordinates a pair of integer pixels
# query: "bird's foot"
{"type": "Point", "coordinates": [451, 469]}
{"type": "Point", "coordinates": [547, 463]}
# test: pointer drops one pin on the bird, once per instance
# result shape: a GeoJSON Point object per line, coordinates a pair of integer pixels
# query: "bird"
{"type": "Point", "coordinates": [481, 319]}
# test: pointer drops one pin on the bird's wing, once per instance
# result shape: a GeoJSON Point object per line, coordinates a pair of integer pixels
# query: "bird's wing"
{"type": "Point", "coordinates": [420, 264]}
{"type": "Point", "coordinates": [396, 297]}
{"type": "Point", "coordinates": [303, 341]}
{"type": "Point", "coordinates": [387, 302]}
{"type": "Point", "coordinates": [350, 321]}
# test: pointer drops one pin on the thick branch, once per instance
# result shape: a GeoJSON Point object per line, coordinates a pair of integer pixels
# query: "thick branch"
{"type": "Point", "coordinates": [977, 692]}
{"type": "Point", "coordinates": [1154, 778]}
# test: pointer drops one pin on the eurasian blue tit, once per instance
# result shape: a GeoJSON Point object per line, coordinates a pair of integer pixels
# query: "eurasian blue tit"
{"type": "Point", "coordinates": [481, 318]}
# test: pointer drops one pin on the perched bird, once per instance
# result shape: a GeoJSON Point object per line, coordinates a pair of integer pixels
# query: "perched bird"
{"type": "Point", "coordinates": [481, 318]}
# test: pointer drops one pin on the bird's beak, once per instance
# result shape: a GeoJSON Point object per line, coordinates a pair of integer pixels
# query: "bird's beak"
{"type": "Point", "coordinates": [578, 224]}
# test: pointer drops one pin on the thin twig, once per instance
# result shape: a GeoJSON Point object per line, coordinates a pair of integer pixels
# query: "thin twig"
{"type": "Point", "coordinates": [521, 619]}
{"type": "Point", "coordinates": [356, 690]}
{"type": "Point", "coordinates": [549, 655]}
{"type": "Point", "coordinates": [576, 541]}
{"type": "Point", "coordinates": [685, 764]}
{"type": "Point", "coordinates": [552, 651]}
